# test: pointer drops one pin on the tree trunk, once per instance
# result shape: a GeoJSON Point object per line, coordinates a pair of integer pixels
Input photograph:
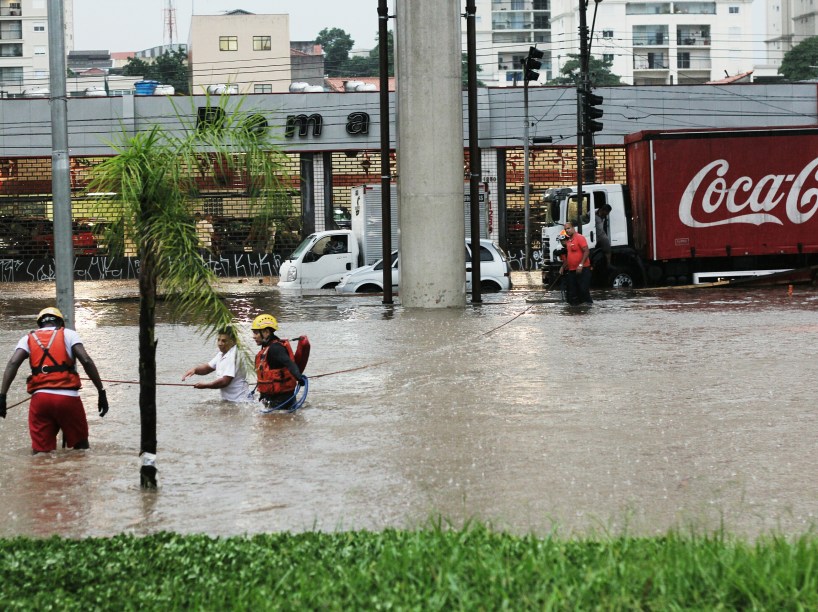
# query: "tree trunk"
{"type": "Point", "coordinates": [147, 364]}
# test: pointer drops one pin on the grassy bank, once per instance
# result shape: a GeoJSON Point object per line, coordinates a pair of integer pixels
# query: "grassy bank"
{"type": "Point", "coordinates": [471, 569]}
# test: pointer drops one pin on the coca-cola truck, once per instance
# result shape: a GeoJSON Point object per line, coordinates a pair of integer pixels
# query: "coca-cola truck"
{"type": "Point", "coordinates": [699, 205]}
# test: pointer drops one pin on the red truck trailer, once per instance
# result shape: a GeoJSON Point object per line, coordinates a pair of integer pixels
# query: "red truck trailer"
{"type": "Point", "coordinates": [706, 203]}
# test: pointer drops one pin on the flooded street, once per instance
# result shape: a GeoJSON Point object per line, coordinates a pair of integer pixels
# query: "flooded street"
{"type": "Point", "coordinates": [648, 411]}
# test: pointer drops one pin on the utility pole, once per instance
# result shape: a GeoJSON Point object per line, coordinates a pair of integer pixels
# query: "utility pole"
{"type": "Point", "coordinates": [60, 172]}
{"type": "Point", "coordinates": [530, 66]}
{"type": "Point", "coordinates": [474, 150]}
{"type": "Point", "coordinates": [587, 110]}
{"type": "Point", "coordinates": [581, 88]}
{"type": "Point", "coordinates": [386, 185]}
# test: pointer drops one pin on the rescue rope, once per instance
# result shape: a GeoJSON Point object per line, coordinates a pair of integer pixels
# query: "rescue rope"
{"type": "Point", "coordinates": [18, 403]}
{"type": "Point", "coordinates": [363, 367]}
{"type": "Point", "coordinates": [519, 314]}
{"type": "Point", "coordinates": [345, 371]}
{"type": "Point", "coordinates": [136, 382]}
{"type": "Point", "coordinates": [299, 401]}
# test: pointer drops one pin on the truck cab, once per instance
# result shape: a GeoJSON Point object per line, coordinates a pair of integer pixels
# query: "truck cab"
{"type": "Point", "coordinates": [563, 205]}
{"type": "Point", "coordinates": [320, 261]}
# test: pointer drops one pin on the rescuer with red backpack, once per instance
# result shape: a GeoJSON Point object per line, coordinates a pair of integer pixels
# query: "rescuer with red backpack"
{"type": "Point", "coordinates": [278, 368]}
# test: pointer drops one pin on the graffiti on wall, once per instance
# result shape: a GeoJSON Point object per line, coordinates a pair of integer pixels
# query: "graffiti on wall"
{"type": "Point", "coordinates": [516, 259]}
{"type": "Point", "coordinates": [124, 268]}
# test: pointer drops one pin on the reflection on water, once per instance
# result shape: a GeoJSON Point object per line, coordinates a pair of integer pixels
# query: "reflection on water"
{"type": "Point", "coordinates": [647, 411]}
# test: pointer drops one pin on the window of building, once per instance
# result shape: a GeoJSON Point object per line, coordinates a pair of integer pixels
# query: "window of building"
{"type": "Point", "coordinates": [39, 50]}
{"type": "Point", "coordinates": [39, 27]}
{"type": "Point", "coordinates": [650, 35]}
{"type": "Point", "coordinates": [228, 43]}
{"type": "Point", "coordinates": [10, 30]}
{"type": "Point", "coordinates": [608, 58]}
{"type": "Point", "coordinates": [683, 60]}
{"type": "Point", "coordinates": [262, 88]}
{"type": "Point", "coordinates": [15, 50]}
{"type": "Point", "coordinates": [647, 8]}
{"type": "Point", "coordinates": [733, 10]}
{"type": "Point", "coordinates": [11, 74]}
{"type": "Point", "coordinates": [607, 33]}
{"type": "Point", "coordinates": [695, 8]}
{"type": "Point", "coordinates": [262, 43]}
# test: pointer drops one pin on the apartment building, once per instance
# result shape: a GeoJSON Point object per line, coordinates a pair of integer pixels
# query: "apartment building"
{"type": "Point", "coordinates": [789, 22]}
{"type": "Point", "coordinates": [24, 43]}
{"type": "Point", "coordinates": [662, 43]}
{"type": "Point", "coordinates": [648, 42]}
{"type": "Point", "coordinates": [249, 53]}
{"type": "Point", "coordinates": [505, 29]}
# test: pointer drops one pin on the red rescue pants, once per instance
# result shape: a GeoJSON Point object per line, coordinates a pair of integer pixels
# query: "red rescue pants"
{"type": "Point", "coordinates": [48, 413]}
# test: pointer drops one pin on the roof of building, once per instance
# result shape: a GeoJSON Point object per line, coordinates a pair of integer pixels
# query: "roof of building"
{"type": "Point", "coordinates": [89, 53]}
{"type": "Point", "coordinates": [336, 84]}
{"type": "Point", "coordinates": [744, 77]}
{"type": "Point", "coordinates": [313, 50]}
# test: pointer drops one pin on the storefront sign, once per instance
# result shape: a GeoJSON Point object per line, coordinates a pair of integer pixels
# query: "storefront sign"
{"type": "Point", "coordinates": [357, 123]}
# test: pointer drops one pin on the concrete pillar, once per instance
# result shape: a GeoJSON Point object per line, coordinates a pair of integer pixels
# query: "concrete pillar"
{"type": "Point", "coordinates": [430, 154]}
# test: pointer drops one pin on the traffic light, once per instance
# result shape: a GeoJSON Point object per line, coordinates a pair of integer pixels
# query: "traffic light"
{"type": "Point", "coordinates": [592, 113]}
{"type": "Point", "coordinates": [531, 64]}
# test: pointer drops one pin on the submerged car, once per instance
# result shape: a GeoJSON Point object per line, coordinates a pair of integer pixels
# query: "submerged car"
{"type": "Point", "coordinates": [495, 272]}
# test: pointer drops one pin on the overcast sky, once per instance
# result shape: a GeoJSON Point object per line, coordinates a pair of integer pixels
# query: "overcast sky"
{"type": "Point", "coordinates": [125, 25]}
{"type": "Point", "coordinates": [128, 25]}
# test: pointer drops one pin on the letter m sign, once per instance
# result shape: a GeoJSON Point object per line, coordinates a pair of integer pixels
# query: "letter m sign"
{"type": "Point", "coordinates": [302, 122]}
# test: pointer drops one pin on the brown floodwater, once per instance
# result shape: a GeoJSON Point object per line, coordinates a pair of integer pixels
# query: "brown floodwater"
{"type": "Point", "coordinates": [651, 410]}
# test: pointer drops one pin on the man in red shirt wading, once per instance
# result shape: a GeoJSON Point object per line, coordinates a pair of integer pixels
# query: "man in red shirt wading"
{"type": "Point", "coordinates": [578, 263]}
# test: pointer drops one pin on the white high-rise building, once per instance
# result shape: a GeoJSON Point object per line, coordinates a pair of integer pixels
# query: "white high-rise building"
{"type": "Point", "coordinates": [789, 22]}
{"type": "Point", "coordinates": [661, 43]}
{"type": "Point", "coordinates": [24, 43]}
{"type": "Point", "coordinates": [505, 30]}
{"type": "Point", "coordinates": [649, 42]}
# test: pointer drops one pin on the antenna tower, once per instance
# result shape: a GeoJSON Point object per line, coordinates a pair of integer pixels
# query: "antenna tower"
{"type": "Point", "coordinates": [170, 22]}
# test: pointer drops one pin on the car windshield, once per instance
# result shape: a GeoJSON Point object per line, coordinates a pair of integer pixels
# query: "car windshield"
{"type": "Point", "coordinates": [305, 244]}
{"type": "Point", "coordinates": [379, 264]}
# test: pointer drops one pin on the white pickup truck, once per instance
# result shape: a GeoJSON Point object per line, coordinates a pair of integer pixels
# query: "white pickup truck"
{"type": "Point", "coordinates": [320, 261]}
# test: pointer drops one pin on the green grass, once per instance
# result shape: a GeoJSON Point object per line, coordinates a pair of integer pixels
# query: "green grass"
{"type": "Point", "coordinates": [474, 568]}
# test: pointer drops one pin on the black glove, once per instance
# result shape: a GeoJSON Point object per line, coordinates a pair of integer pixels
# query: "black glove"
{"type": "Point", "coordinates": [102, 403]}
{"type": "Point", "coordinates": [2, 405]}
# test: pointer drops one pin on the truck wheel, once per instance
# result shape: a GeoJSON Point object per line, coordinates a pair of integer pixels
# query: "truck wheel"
{"type": "Point", "coordinates": [622, 278]}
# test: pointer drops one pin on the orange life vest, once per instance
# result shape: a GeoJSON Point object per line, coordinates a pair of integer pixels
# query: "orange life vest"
{"type": "Point", "coordinates": [274, 381]}
{"type": "Point", "coordinates": [51, 367]}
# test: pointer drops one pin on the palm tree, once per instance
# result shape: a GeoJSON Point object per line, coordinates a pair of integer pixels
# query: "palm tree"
{"type": "Point", "coordinates": [154, 178]}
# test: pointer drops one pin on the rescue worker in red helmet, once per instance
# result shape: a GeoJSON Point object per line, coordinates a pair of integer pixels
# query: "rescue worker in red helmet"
{"type": "Point", "coordinates": [54, 383]}
{"type": "Point", "coordinates": [276, 371]}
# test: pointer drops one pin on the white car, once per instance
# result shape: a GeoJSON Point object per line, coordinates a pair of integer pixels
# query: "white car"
{"type": "Point", "coordinates": [495, 272]}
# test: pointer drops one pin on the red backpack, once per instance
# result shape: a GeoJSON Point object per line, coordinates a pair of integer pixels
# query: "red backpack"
{"type": "Point", "coordinates": [302, 352]}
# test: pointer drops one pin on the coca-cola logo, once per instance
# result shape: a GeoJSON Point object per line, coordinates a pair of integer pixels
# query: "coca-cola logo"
{"type": "Point", "coordinates": [710, 194]}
